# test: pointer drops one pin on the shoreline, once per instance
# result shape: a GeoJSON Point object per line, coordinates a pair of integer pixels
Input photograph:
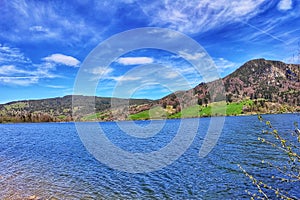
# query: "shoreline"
{"type": "Point", "coordinates": [156, 119]}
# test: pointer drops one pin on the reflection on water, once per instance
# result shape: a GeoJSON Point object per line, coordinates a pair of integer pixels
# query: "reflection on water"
{"type": "Point", "coordinates": [49, 161]}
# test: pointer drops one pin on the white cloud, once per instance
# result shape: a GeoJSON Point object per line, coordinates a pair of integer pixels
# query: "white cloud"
{"type": "Point", "coordinates": [63, 59]}
{"type": "Point", "coordinates": [12, 75]}
{"type": "Point", "coordinates": [11, 69]}
{"type": "Point", "coordinates": [17, 69]}
{"type": "Point", "coordinates": [44, 20]}
{"type": "Point", "coordinates": [187, 70]}
{"type": "Point", "coordinates": [199, 16]}
{"type": "Point", "coordinates": [21, 81]}
{"type": "Point", "coordinates": [135, 60]}
{"type": "Point", "coordinates": [125, 78]}
{"type": "Point", "coordinates": [190, 56]}
{"type": "Point", "coordinates": [9, 55]}
{"type": "Point", "coordinates": [285, 5]}
{"type": "Point", "coordinates": [55, 86]}
{"type": "Point", "coordinates": [38, 29]}
{"type": "Point", "coordinates": [224, 65]}
{"type": "Point", "coordinates": [172, 74]}
{"type": "Point", "coordinates": [102, 71]}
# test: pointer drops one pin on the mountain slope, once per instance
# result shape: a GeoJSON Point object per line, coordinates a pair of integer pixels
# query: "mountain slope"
{"type": "Point", "coordinates": [264, 80]}
{"type": "Point", "coordinates": [271, 80]}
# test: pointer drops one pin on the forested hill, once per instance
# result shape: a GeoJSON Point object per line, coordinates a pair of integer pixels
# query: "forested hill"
{"type": "Point", "coordinates": [273, 81]}
{"type": "Point", "coordinates": [57, 109]}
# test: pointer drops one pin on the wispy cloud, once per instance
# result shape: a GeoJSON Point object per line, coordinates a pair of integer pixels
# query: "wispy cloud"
{"type": "Point", "coordinates": [102, 71]}
{"type": "Point", "coordinates": [51, 20]}
{"type": "Point", "coordinates": [21, 81]}
{"type": "Point", "coordinates": [135, 60]}
{"type": "Point", "coordinates": [12, 55]}
{"type": "Point", "coordinates": [199, 16]}
{"type": "Point", "coordinates": [40, 29]}
{"type": "Point", "coordinates": [192, 56]}
{"type": "Point", "coordinates": [285, 5]}
{"type": "Point", "coordinates": [56, 86]}
{"type": "Point", "coordinates": [225, 66]}
{"type": "Point", "coordinates": [11, 69]}
{"type": "Point", "coordinates": [262, 32]}
{"type": "Point", "coordinates": [12, 75]}
{"type": "Point", "coordinates": [137, 80]}
{"type": "Point", "coordinates": [17, 69]}
{"type": "Point", "coordinates": [62, 59]}
{"type": "Point", "coordinates": [124, 78]}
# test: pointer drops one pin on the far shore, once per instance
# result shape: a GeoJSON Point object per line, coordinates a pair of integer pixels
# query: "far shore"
{"type": "Point", "coordinates": [128, 120]}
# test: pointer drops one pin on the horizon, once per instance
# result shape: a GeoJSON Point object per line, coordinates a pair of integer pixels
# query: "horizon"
{"type": "Point", "coordinates": [43, 45]}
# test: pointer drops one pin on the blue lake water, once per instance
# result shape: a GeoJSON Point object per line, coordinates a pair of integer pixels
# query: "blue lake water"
{"type": "Point", "coordinates": [50, 161]}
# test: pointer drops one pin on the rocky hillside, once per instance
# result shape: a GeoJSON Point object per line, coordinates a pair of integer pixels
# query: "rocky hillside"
{"type": "Point", "coordinates": [272, 81]}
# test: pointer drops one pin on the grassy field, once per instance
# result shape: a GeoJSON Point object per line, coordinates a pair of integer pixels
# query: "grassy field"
{"type": "Point", "coordinates": [213, 109]}
{"type": "Point", "coordinates": [95, 116]}
{"type": "Point", "coordinates": [154, 113]}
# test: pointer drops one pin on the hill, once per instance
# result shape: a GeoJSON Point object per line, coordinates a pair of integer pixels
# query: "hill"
{"type": "Point", "coordinates": [258, 86]}
{"type": "Point", "coordinates": [60, 108]}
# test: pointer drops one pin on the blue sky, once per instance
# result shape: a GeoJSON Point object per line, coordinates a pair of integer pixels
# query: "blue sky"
{"type": "Point", "coordinates": [44, 43]}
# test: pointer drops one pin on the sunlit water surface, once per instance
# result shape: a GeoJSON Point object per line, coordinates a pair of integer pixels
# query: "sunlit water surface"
{"type": "Point", "coordinates": [48, 160]}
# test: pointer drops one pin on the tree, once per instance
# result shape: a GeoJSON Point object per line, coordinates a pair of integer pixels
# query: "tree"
{"type": "Point", "coordinates": [288, 173]}
{"type": "Point", "coordinates": [199, 102]}
{"type": "Point", "coordinates": [229, 98]}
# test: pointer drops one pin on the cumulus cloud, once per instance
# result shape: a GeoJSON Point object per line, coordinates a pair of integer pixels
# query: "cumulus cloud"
{"type": "Point", "coordinates": [135, 60]}
{"type": "Point", "coordinates": [285, 5]}
{"type": "Point", "coordinates": [62, 59]}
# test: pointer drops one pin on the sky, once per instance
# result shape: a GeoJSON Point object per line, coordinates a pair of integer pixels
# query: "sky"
{"type": "Point", "coordinates": [44, 45]}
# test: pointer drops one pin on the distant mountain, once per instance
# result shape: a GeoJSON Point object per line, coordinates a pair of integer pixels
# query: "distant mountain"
{"type": "Point", "coordinates": [270, 87]}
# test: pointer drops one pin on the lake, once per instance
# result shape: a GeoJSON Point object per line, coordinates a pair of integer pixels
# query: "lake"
{"type": "Point", "coordinates": [50, 161]}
